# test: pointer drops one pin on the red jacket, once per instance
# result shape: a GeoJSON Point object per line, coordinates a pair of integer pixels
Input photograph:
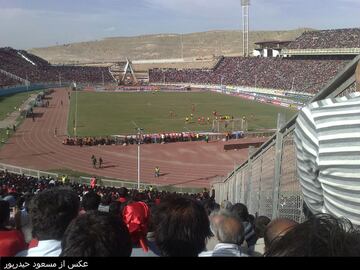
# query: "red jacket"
{"type": "Point", "coordinates": [11, 243]}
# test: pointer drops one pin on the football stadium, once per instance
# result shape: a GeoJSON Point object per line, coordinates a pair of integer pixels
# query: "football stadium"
{"type": "Point", "coordinates": [224, 143]}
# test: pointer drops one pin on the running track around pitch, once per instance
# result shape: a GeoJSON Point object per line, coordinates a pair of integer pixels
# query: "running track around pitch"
{"type": "Point", "coordinates": [188, 164]}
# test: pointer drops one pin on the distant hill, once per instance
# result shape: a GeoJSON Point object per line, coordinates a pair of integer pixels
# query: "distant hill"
{"type": "Point", "coordinates": [161, 46]}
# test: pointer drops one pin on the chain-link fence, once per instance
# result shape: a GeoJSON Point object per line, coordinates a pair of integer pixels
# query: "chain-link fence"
{"type": "Point", "coordinates": [267, 182]}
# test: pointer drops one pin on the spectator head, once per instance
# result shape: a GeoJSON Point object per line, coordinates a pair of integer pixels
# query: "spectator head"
{"type": "Point", "coordinates": [215, 218]}
{"type": "Point", "coordinates": [210, 206]}
{"type": "Point", "coordinates": [51, 211]}
{"type": "Point", "coordinates": [181, 227]}
{"type": "Point", "coordinates": [123, 192]}
{"type": "Point", "coordinates": [91, 201]}
{"type": "Point", "coordinates": [136, 217]}
{"type": "Point", "coordinates": [260, 225]}
{"type": "Point", "coordinates": [277, 229]}
{"type": "Point", "coordinates": [321, 235]}
{"type": "Point", "coordinates": [4, 213]}
{"type": "Point", "coordinates": [227, 228]}
{"type": "Point", "coordinates": [241, 211]}
{"type": "Point", "coordinates": [115, 208]}
{"type": "Point", "coordinates": [96, 234]}
{"type": "Point", "coordinates": [11, 200]}
{"type": "Point", "coordinates": [225, 205]}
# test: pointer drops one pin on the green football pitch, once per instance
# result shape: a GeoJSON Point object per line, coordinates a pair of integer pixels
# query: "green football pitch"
{"type": "Point", "coordinates": [102, 114]}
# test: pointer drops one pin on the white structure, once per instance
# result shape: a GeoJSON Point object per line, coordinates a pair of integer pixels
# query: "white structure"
{"type": "Point", "coordinates": [245, 22]}
{"type": "Point", "coordinates": [270, 48]}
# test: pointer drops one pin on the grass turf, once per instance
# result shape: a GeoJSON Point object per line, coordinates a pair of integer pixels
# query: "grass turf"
{"type": "Point", "coordinates": [8, 104]}
{"type": "Point", "coordinates": [101, 114]}
{"type": "Point", "coordinates": [11, 103]}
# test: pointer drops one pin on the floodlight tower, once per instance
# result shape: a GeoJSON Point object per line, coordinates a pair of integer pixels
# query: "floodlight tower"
{"type": "Point", "coordinates": [245, 23]}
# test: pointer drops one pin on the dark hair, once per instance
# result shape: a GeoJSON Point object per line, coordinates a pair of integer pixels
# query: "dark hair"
{"type": "Point", "coordinates": [241, 211]}
{"type": "Point", "coordinates": [276, 229]}
{"type": "Point", "coordinates": [321, 235]}
{"type": "Point", "coordinates": [91, 201]}
{"type": "Point", "coordinates": [96, 234]}
{"type": "Point", "coordinates": [181, 227]}
{"type": "Point", "coordinates": [116, 208]}
{"type": "Point", "coordinates": [123, 192]}
{"type": "Point", "coordinates": [51, 211]}
{"type": "Point", "coordinates": [260, 225]}
{"type": "Point", "coordinates": [4, 212]}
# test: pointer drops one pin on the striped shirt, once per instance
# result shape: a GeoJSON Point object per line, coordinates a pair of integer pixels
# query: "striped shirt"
{"type": "Point", "coordinates": [224, 250]}
{"type": "Point", "coordinates": [327, 139]}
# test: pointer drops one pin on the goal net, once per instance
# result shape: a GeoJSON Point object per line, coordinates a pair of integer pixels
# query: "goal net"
{"type": "Point", "coordinates": [229, 125]}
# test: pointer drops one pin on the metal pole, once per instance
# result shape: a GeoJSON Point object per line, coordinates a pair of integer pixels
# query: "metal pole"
{"type": "Point", "coordinates": [277, 170]}
{"type": "Point", "coordinates": [182, 47]}
{"type": "Point", "coordinates": [139, 164]}
{"type": "Point", "coordinates": [103, 81]}
{"type": "Point", "coordinates": [76, 111]}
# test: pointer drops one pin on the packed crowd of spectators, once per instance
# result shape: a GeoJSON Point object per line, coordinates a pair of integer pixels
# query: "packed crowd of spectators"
{"type": "Point", "coordinates": [159, 138]}
{"type": "Point", "coordinates": [335, 38]}
{"type": "Point", "coordinates": [297, 74]}
{"type": "Point", "coordinates": [47, 217]}
{"type": "Point", "coordinates": [133, 139]}
{"type": "Point", "coordinates": [35, 69]}
{"type": "Point", "coordinates": [7, 81]}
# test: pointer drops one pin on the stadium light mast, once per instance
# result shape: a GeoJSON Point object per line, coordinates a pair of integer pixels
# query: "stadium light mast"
{"type": "Point", "coordinates": [245, 23]}
{"type": "Point", "coordinates": [182, 46]}
{"type": "Point", "coordinates": [139, 130]}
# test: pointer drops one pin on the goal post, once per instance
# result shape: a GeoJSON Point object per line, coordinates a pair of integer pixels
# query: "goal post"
{"type": "Point", "coordinates": [230, 125]}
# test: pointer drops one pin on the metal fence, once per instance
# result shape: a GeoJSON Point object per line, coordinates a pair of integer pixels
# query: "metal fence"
{"type": "Point", "coordinates": [101, 181]}
{"type": "Point", "coordinates": [267, 182]}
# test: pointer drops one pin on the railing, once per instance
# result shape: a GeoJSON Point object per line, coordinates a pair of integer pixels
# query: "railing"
{"type": "Point", "coordinates": [27, 172]}
{"type": "Point", "coordinates": [329, 51]}
{"type": "Point", "coordinates": [101, 181]}
{"type": "Point", "coordinates": [267, 182]}
{"type": "Point", "coordinates": [13, 76]}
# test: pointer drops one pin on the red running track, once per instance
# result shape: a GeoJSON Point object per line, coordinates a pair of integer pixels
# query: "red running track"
{"type": "Point", "coordinates": [187, 164]}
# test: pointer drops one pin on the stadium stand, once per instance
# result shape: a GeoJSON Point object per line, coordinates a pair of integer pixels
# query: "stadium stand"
{"type": "Point", "coordinates": [37, 70]}
{"type": "Point", "coordinates": [335, 38]}
{"type": "Point", "coordinates": [297, 74]}
{"type": "Point", "coordinates": [6, 81]}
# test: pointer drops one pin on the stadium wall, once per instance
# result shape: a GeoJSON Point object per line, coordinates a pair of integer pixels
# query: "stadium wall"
{"type": "Point", "coordinates": [22, 89]}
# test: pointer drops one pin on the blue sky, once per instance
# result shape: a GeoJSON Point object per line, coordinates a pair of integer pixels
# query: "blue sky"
{"type": "Point", "coordinates": [37, 23]}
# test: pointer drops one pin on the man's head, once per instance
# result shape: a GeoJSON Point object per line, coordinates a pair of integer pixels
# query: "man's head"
{"type": "Point", "coordinates": [241, 211]}
{"type": "Point", "coordinates": [181, 227]}
{"type": "Point", "coordinates": [230, 230]}
{"type": "Point", "coordinates": [123, 192]}
{"type": "Point", "coordinates": [260, 225]}
{"type": "Point", "coordinates": [321, 235]}
{"type": "Point", "coordinates": [51, 211]}
{"type": "Point", "coordinates": [96, 234]}
{"type": "Point", "coordinates": [91, 201]}
{"type": "Point", "coordinates": [276, 229]}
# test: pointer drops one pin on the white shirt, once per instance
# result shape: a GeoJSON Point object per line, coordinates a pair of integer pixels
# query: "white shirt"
{"type": "Point", "coordinates": [47, 248]}
{"type": "Point", "coordinates": [224, 250]}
